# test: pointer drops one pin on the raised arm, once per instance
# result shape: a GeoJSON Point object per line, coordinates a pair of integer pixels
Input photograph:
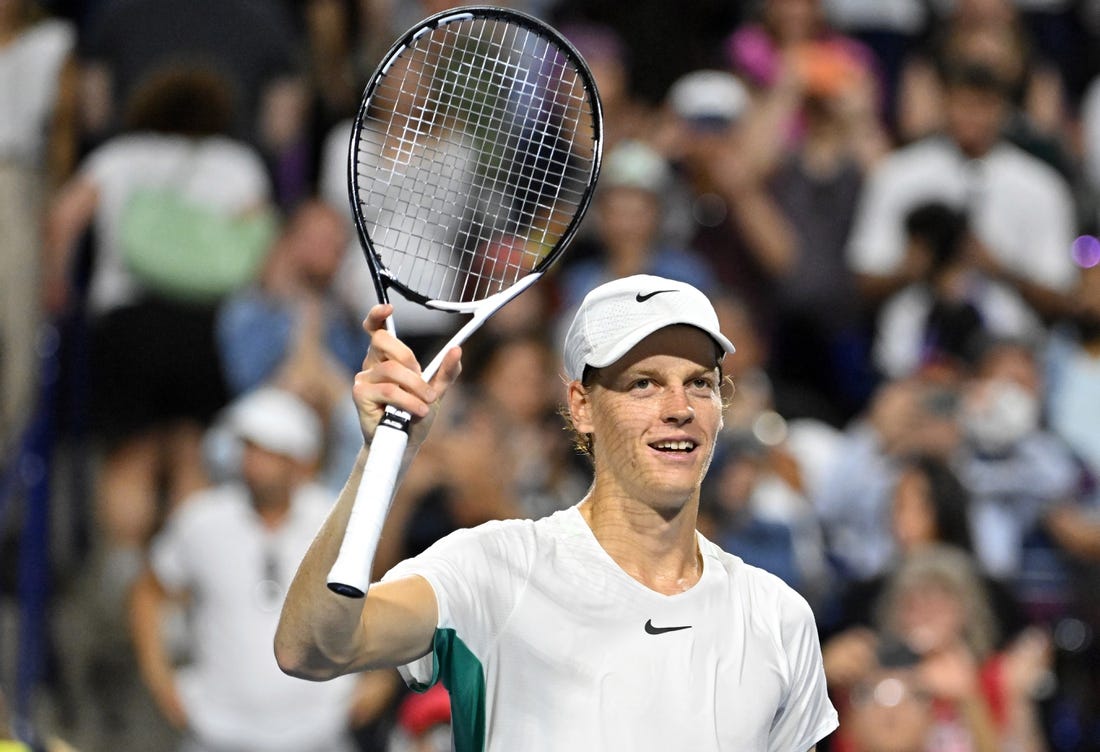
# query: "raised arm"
{"type": "Point", "coordinates": [322, 635]}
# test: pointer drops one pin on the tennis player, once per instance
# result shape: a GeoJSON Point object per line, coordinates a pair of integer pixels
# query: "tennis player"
{"type": "Point", "coordinates": [612, 624]}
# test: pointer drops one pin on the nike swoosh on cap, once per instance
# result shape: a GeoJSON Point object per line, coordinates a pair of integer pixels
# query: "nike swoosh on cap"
{"type": "Point", "coordinates": [643, 298]}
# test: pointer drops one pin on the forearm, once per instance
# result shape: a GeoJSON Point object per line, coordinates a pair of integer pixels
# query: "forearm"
{"type": "Point", "coordinates": [154, 661]}
{"type": "Point", "coordinates": [979, 721]}
{"type": "Point", "coordinates": [767, 233]}
{"type": "Point", "coordinates": [323, 634]}
{"type": "Point", "coordinates": [1025, 729]}
{"type": "Point", "coordinates": [320, 633]}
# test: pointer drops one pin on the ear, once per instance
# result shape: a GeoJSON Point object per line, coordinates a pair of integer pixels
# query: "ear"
{"type": "Point", "coordinates": [580, 407]}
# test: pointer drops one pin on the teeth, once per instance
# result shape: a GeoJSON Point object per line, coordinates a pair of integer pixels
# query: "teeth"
{"type": "Point", "coordinates": [675, 446]}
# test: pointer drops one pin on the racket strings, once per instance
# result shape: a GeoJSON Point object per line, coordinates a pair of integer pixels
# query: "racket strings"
{"type": "Point", "coordinates": [475, 158]}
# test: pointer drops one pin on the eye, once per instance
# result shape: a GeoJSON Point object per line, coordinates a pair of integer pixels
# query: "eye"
{"type": "Point", "coordinates": [703, 383]}
{"type": "Point", "coordinates": [641, 384]}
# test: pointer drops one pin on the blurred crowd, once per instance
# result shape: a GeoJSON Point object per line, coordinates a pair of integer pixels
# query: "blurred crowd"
{"type": "Point", "coordinates": [893, 204]}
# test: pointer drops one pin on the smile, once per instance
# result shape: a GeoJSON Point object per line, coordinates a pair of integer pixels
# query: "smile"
{"type": "Point", "coordinates": [674, 446]}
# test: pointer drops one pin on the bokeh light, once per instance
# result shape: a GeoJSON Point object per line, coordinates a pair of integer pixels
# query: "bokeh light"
{"type": "Point", "coordinates": [1086, 251]}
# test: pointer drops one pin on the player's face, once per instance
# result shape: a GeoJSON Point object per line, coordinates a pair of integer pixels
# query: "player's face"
{"type": "Point", "coordinates": [654, 416]}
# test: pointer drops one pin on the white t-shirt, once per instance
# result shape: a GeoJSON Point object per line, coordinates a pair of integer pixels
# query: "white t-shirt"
{"type": "Point", "coordinates": [1020, 208]}
{"type": "Point", "coordinates": [546, 644]}
{"type": "Point", "coordinates": [1090, 133]}
{"type": "Point", "coordinates": [900, 330]}
{"type": "Point", "coordinates": [237, 570]}
{"type": "Point", "coordinates": [215, 172]}
{"type": "Point", "coordinates": [29, 70]}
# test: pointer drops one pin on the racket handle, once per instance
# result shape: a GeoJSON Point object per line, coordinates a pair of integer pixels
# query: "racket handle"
{"type": "Point", "coordinates": [350, 573]}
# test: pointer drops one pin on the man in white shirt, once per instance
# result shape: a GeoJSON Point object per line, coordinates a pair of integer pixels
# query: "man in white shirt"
{"type": "Point", "coordinates": [609, 625]}
{"type": "Point", "coordinates": [1020, 210]}
{"type": "Point", "coordinates": [229, 552]}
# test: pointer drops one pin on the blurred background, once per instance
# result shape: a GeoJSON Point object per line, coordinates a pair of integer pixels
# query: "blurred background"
{"type": "Point", "coordinates": [893, 203]}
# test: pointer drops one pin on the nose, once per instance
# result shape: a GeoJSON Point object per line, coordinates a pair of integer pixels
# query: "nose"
{"type": "Point", "coordinates": [677, 408]}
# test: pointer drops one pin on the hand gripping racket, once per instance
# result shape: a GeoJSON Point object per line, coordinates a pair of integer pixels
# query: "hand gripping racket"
{"type": "Point", "coordinates": [473, 158]}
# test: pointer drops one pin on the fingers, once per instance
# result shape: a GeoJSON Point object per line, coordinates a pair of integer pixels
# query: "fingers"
{"type": "Point", "coordinates": [376, 317]}
{"type": "Point", "coordinates": [448, 371]}
{"type": "Point", "coordinates": [384, 346]}
{"type": "Point", "coordinates": [392, 383]}
{"type": "Point", "coordinates": [391, 374]}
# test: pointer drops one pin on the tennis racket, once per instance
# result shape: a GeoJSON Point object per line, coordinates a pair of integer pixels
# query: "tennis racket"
{"type": "Point", "coordinates": [473, 158]}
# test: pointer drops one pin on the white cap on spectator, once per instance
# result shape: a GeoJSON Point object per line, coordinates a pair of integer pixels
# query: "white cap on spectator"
{"type": "Point", "coordinates": [618, 315]}
{"type": "Point", "coordinates": [278, 421]}
{"type": "Point", "coordinates": [709, 95]}
{"type": "Point", "coordinates": [632, 164]}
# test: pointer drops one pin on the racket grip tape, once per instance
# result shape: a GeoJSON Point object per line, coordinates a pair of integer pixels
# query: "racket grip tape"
{"type": "Point", "coordinates": [350, 573]}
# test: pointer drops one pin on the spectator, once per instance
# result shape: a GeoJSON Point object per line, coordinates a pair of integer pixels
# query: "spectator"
{"type": "Point", "coordinates": [513, 379]}
{"type": "Point", "coordinates": [1020, 210]}
{"type": "Point", "coordinates": [230, 553]}
{"type": "Point", "coordinates": [423, 722]}
{"type": "Point", "coordinates": [989, 33]}
{"type": "Point", "coordinates": [629, 215]}
{"type": "Point", "coordinates": [820, 341]}
{"type": "Point", "coordinates": [291, 329]}
{"type": "Point", "coordinates": [625, 116]}
{"type": "Point", "coordinates": [905, 417]}
{"type": "Point", "coordinates": [890, 29]}
{"type": "Point", "coordinates": [789, 57]}
{"type": "Point", "coordinates": [149, 412]}
{"type": "Point", "coordinates": [1017, 472]}
{"type": "Point", "coordinates": [1090, 149]}
{"type": "Point", "coordinates": [721, 202]}
{"type": "Point", "coordinates": [940, 317]}
{"type": "Point", "coordinates": [37, 151]}
{"type": "Point", "coordinates": [935, 607]}
{"type": "Point", "coordinates": [890, 711]}
{"type": "Point", "coordinates": [128, 40]}
{"type": "Point", "coordinates": [1072, 385]}
{"type": "Point", "coordinates": [928, 507]}
{"type": "Point", "coordinates": [754, 506]}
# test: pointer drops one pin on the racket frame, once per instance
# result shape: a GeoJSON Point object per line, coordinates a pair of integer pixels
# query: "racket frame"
{"type": "Point", "coordinates": [350, 573]}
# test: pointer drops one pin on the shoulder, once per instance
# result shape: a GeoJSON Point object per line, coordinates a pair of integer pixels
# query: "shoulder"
{"type": "Point", "coordinates": [924, 157]}
{"type": "Point", "coordinates": [1011, 163]}
{"type": "Point", "coordinates": [209, 508]}
{"type": "Point", "coordinates": [490, 542]}
{"type": "Point", "coordinates": [498, 537]}
{"type": "Point", "coordinates": [126, 149]}
{"type": "Point", "coordinates": [768, 595]}
{"type": "Point", "coordinates": [52, 36]}
{"type": "Point", "coordinates": [224, 148]}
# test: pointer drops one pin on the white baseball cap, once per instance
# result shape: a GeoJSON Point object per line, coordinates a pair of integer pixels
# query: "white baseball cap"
{"type": "Point", "coordinates": [278, 421]}
{"type": "Point", "coordinates": [618, 315]}
{"type": "Point", "coordinates": [709, 95]}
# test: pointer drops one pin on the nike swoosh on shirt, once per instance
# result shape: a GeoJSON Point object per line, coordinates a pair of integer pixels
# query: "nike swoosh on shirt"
{"type": "Point", "coordinates": [650, 629]}
{"type": "Point", "coordinates": [643, 298]}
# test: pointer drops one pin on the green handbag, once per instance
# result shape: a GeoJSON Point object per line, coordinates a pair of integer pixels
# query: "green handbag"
{"type": "Point", "coordinates": [185, 251]}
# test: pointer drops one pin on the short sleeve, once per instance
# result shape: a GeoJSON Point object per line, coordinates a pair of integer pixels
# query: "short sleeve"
{"type": "Point", "coordinates": [807, 715]}
{"type": "Point", "coordinates": [477, 576]}
{"type": "Point", "coordinates": [168, 556]}
{"type": "Point", "coordinates": [875, 245]}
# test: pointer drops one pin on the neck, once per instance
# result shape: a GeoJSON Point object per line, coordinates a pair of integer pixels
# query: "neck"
{"type": "Point", "coordinates": [657, 550]}
{"type": "Point", "coordinates": [272, 509]}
